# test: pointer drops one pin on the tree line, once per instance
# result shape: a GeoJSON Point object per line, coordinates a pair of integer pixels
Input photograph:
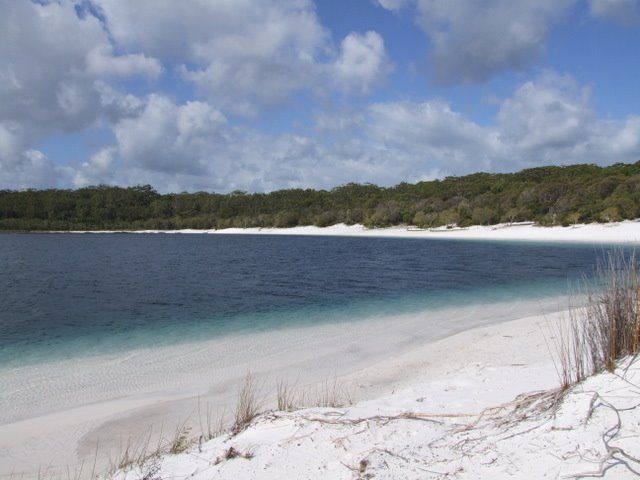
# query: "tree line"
{"type": "Point", "coordinates": [550, 195]}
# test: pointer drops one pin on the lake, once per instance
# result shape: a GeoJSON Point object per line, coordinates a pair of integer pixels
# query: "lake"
{"type": "Point", "coordinates": [73, 295]}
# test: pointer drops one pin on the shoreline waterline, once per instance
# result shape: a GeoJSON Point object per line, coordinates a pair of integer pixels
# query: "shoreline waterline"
{"type": "Point", "coordinates": [51, 407]}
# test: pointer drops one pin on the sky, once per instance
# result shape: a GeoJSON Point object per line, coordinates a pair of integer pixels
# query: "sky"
{"type": "Point", "coordinates": [261, 95]}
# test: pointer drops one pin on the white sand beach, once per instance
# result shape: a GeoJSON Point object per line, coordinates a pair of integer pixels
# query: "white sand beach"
{"type": "Point", "coordinates": [417, 385]}
{"type": "Point", "coordinates": [439, 429]}
{"type": "Point", "coordinates": [627, 231]}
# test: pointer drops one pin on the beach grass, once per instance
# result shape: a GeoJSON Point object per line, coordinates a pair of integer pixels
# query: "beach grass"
{"type": "Point", "coordinates": [607, 328]}
{"type": "Point", "coordinates": [248, 404]}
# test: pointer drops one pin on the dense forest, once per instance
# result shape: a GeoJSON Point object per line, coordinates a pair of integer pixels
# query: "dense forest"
{"type": "Point", "coordinates": [546, 195]}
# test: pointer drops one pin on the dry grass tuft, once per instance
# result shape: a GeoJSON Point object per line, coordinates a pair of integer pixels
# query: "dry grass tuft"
{"type": "Point", "coordinates": [135, 453]}
{"type": "Point", "coordinates": [607, 328]}
{"type": "Point", "coordinates": [141, 454]}
{"type": "Point", "coordinates": [248, 406]}
{"type": "Point", "coordinates": [288, 399]}
{"type": "Point", "coordinates": [181, 440]}
{"type": "Point", "coordinates": [211, 425]}
{"type": "Point", "coordinates": [330, 394]}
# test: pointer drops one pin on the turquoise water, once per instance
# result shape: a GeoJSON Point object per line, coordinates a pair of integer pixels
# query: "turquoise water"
{"type": "Point", "coordinates": [65, 295]}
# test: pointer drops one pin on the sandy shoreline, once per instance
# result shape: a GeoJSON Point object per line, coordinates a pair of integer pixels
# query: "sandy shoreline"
{"type": "Point", "coordinates": [54, 414]}
{"type": "Point", "coordinates": [440, 429]}
{"type": "Point", "coordinates": [624, 232]}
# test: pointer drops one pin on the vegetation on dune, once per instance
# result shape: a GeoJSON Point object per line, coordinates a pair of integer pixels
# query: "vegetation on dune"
{"type": "Point", "coordinates": [546, 195]}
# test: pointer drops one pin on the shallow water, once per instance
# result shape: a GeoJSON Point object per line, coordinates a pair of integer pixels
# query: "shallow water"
{"type": "Point", "coordinates": [72, 295]}
{"type": "Point", "coordinates": [312, 353]}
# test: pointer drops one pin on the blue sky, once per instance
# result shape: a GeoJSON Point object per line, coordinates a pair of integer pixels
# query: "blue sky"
{"type": "Point", "coordinates": [258, 95]}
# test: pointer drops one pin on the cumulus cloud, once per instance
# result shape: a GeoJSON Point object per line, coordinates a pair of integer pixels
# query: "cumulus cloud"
{"type": "Point", "coordinates": [472, 41]}
{"type": "Point", "coordinates": [508, 36]}
{"type": "Point", "coordinates": [51, 61]}
{"type": "Point", "coordinates": [551, 119]}
{"type": "Point", "coordinates": [362, 63]}
{"type": "Point", "coordinates": [192, 146]}
{"type": "Point", "coordinates": [429, 124]}
{"type": "Point", "coordinates": [244, 55]}
{"type": "Point", "coordinates": [624, 12]}
{"type": "Point", "coordinates": [413, 141]}
{"type": "Point", "coordinates": [42, 51]}
{"type": "Point", "coordinates": [547, 120]}
{"type": "Point", "coordinates": [63, 70]}
{"type": "Point", "coordinates": [393, 5]}
{"type": "Point", "coordinates": [29, 169]}
{"type": "Point", "coordinates": [99, 169]}
{"type": "Point", "coordinates": [61, 62]}
{"type": "Point", "coordinates": [170, 138]}
{"type": "Point", "coordinates": [101, 62]}
{"type": "Point", "coordinates": [10, 145]}
{"type": "Point", "coordinates": [116, 104]}
{"type": "Point", "coordinates": [548, 114]}
{"type": "Point", "coordinates": [235, 52]}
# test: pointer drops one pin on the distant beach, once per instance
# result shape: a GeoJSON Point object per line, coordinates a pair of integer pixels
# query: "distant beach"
{"type": "Point", "coordinates": [627, 231]}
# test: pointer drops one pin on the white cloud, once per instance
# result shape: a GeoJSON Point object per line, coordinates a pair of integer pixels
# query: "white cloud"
{"type": "Point", "coordinates": [547, 120]}
{"type": "Point", "coordinates": [63, 73]}
{"type": "Point", "coordinates": [362, 63]}
{"type": "Point", "coordinates": [51, 61]}
{"type": "Point", "coordinates": [550, 113]}
{"type": "Point", "coordinates": [236, 52]}
{"type": "Point", "coordinates": [429, 137]}
{"type": "Point", "coordinates": [29, 169]}
{"type": "Point", "coordinates": [42, 51]}
{"type": "Point", "coordinates": [59, 68]}
{"type": "Point", "coordinates": [471, 41]}
{"type": "Point", "coordinates": [393, 5]}
{"type": "Point", "coordinates": [191, 146]}
{"type": "Point", "coordinates": [10, 146]}
{"type": "Point", "coordinates": [624, 141]}
{"type": "Point", "coordinates": [97, 170]}
{"type": "Point", "coordinates": [170, 138]}
{"type": "Point", "coordinates": [430, 124]}
{"type": "Point", "coordinates": [624, 12]}
{"type": "Point", "coordinates": [245, 55]}
{"type": "Point", "coordinates": [101, 62]}
{"type": "Point", "coordinates": [551, 120]}
{"type": "Point", "coordinates": [209, 30]}
{"type": "Point", "coordinates": [115, 104]}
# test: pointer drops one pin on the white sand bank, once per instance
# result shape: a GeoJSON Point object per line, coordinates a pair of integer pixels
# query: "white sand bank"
{"type": "Point", "coordinates": [428, 433]}
{"type": "Point", "coordinates": [437, 424]}
{"type": "Point", "coordinates": [620, 232]}
{"type": "Point", "coordinates": [53, 415]}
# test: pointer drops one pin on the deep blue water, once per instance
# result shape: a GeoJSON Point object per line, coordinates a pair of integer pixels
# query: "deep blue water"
{"type": "Point", "coordinates": [63, 295]}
